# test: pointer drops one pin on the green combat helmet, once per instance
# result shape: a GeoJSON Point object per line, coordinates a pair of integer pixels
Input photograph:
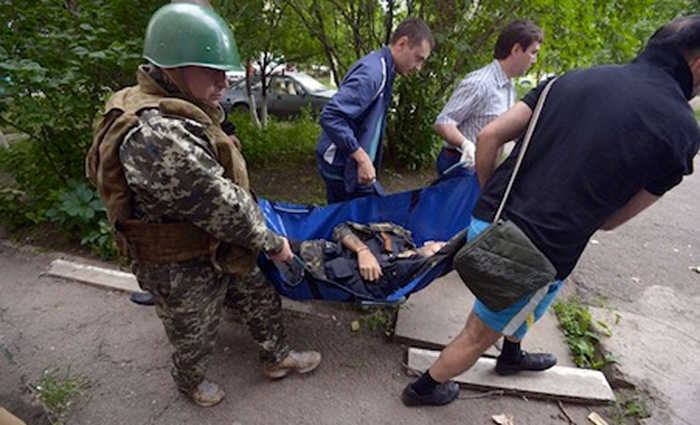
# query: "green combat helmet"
{"type": "Point", "coordinates": [182, 34]}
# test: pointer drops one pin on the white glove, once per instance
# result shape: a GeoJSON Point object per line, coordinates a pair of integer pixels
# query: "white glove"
{"type": "Point", "coordinates": [468, 157]}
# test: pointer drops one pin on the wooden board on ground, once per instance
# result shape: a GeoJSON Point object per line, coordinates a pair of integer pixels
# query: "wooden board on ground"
{"type": "Point", "coordinates": [98, 276]}
{"type": "Point", "coordinates": [432, 317]}
{"type": "Point", "coordinates": [122, 281]}
{"type": "Point", "coordinates": [561, 382]}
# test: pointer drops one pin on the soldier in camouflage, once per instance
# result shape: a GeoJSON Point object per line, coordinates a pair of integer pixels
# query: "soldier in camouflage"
{"type": "Point", "coordinates": [176, 191]}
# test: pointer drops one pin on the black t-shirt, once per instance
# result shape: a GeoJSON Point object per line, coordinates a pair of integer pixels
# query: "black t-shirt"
{"type": "Point", "coordinates": [604, 134]}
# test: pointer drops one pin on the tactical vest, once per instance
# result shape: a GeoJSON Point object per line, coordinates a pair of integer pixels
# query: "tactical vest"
{"type": "Point", "coordinates": [161, 242]}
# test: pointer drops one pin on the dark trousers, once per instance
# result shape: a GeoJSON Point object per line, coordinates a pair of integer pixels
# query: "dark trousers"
{"type": "Point", "coordinates": [449, 158]}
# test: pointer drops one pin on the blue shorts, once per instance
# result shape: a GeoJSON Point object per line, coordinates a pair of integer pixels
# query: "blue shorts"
{"type": "Point", "coordinates": [516, 319]}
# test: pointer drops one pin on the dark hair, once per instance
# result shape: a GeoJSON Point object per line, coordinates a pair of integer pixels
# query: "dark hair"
{"type": "Point", "coordinates": [416, 30]}
{"type": "Point", "coordinates": [520, 32]}
{"type": "Point", "coordinates": [681, 35]}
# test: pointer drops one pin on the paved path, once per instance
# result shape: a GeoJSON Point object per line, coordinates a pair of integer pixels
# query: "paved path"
{"type": "Point", "coordinates": [643, 274]}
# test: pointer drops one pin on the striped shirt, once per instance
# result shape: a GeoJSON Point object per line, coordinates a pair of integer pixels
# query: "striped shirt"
{"type": "Point", "coordinates": [479, 98]}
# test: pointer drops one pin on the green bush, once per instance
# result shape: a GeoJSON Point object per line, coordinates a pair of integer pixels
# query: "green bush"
{"type": "Point", "coordinates": [412, 143]}
{"type": "Point", "coordinates": [12, 207]}
{"type": "Point", "coordinates": [280, 141]}
{"type": "Point", "coordinates": [61, 60]}
{"type": "Point", "coordinates": [57, 64]}
{"type": "Point", "coordinates": [79, 211]}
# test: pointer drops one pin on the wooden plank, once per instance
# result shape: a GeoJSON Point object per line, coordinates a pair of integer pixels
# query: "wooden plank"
{"type": "Point", "coordinates": [7, 418]}
{"type": "Point", "coordinates": [98, 276]}
{"type": "Point", "coordinates": [122, 281]}
{"type": "Point", "coordinates": [560, 382]}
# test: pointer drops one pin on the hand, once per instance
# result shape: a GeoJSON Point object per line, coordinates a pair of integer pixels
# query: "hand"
{"type": "Point", "coordinates": [430, 248]}
{"type": "Point", "coordinates": [368, 265]}
{"type": "Point", "coordinates": [468, 157]}
{"type": "Point", "coordinates": [366, 174]}
{"type": "Point", "coordinates": [284, 255]}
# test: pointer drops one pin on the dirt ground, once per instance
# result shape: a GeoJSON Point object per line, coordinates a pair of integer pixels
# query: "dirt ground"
{"type": "Point", "coordinates": [122, 348]}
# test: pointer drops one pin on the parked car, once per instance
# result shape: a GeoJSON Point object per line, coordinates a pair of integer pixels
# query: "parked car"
{"type": "Point", "coordinates": [288, 94]}
{"type": "Point", "coordinates": [234, 76]}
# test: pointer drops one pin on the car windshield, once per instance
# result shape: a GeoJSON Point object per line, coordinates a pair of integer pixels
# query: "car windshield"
{"type": "Point", "coordinates": [240, 85]}
{"type": "Point", "coordinates": [309, 82]}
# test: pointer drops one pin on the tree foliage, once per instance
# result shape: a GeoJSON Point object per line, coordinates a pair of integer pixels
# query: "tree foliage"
{"type": "Point", "coordinates": [58, 61]}
{"type": "Point", "coordinates": [577, 34]}
{"type": "Point", "coordinates": [61, 58]}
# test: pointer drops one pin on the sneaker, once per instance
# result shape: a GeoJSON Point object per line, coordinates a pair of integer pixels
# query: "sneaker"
{"type": "Point", "coordinates": [529, 361]}
{"type": "Point", "coordinates": [296, 361]}
{"type": "Point", "coordinates": [443, 394]}
{"type": "Point", "coordinates": [206, 394]}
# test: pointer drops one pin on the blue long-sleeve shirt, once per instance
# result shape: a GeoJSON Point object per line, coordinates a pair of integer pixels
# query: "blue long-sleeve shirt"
{"type": "Point", "coordinates": [355, 117]}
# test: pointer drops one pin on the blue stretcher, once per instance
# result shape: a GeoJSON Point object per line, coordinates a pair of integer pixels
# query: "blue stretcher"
{"type": "Point", "coordinates": [438, 212]}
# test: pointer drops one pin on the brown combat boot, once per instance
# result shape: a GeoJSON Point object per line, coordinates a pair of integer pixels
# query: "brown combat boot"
{"type": "Point", "coordinates": [206, 394]}
{"type": "Point", "coordinates": [296, 361]}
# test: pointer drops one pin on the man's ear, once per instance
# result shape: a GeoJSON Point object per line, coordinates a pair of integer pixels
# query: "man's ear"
{"type": "Point", "coordinates": [694, 65]}
{"type": "Point", "coordinates": [403, 42]}
{"type": "Point", "coordinates": [517, 48]}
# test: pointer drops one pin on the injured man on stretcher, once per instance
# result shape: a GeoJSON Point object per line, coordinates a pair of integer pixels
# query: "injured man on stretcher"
{"type": "Point", "coordinates": [371, 261]}
{"type": "Point", "coordinates": [377, 258]}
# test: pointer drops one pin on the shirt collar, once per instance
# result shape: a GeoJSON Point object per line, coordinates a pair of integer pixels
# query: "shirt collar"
{"type": "Point", "coordinates": [386, 54]}
{"type": "Point", "coordinates": [670, 62]}
{"type": "Point", "coordinates": [500, 74]}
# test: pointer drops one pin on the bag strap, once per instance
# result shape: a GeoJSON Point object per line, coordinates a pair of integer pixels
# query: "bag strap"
{"type": "Point", "coordinates": [523, 148]}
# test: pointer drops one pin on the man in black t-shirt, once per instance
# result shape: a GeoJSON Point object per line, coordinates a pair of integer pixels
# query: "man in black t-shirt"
{"type": "Point", "coordinates": [609, 142]}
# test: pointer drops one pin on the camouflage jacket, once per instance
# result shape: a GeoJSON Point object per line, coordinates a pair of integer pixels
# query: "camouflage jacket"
{"type": "Point", "coordinates": [186, 181]}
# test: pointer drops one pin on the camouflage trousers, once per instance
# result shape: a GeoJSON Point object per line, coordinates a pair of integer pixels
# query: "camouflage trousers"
{"type": "Point", "coordinates": [189, 298]}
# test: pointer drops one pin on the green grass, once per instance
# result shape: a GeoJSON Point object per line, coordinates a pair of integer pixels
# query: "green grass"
{"type": "Point", "coordinates": [630, 407]}
{"type": "Point", "coordinates": [581, 336]}
{"type": "Point", "coordinates": [58, 392]}
{"type": "Point", "coordinates": [380, 319]}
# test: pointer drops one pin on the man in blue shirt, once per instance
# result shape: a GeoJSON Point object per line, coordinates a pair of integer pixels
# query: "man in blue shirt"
{"type": "Point", "coordinates": [349, 150]}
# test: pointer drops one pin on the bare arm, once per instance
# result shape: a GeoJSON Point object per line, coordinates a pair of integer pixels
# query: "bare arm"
{"type": "Point", "coordinates": [366, 173]}
{"type": "Point", "coordinates": [367, 263]}
{"type": "Point", "coordinates": [450, 134]}
{"type": "Point", "coordinates": [498, 132]}
{"type": "Point", "coordinates": [639, 202]}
